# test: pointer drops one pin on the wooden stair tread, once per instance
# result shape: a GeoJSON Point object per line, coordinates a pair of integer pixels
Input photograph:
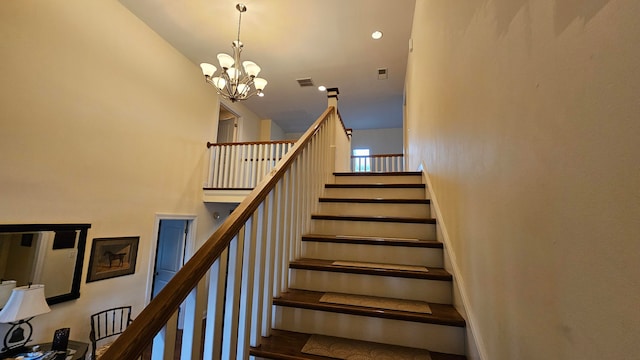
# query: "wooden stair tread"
{"type": "Point", "coordinates": [398, 219]}
{"type": "Point", "coordinates": [442, 314]}
{"type": "Point", "coordinates": [345, 239]}
{"type": "Point", "coordinates": [374, 186]}
{"type": "Point", "coordinates": [390, 173]}
{"type": "Point", "coordinates": [327, 265]}
{"type": "Point", "coordinates": [287, 345]}
{"type": "Point", "coordinates": [376, 200]}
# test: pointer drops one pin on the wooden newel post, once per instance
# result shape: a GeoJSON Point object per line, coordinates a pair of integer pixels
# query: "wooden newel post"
{"type": "Point", "coordinates": [341, 143]}
{"type": "Point", "coordinates": [332, 97]}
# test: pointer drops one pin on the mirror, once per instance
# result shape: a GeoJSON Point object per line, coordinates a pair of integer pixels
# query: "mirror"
{"type": "Point", "coordinates": [49, 254]}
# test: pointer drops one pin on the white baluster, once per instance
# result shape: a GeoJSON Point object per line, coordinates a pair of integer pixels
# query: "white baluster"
{"type": "Point", "coordinates": [270, 228]}
{"type": "Point", "coordinates": [215, 168]}
{"type": "Point", "coordinates": [232, 297]}
{"type": "Point", "coordinates": [261, 162]}
{"type": "Point", "coordinates": [164, 343]}
{"type": "Point", "coordinates": [259, 234]}
{"type": "Point", "coordinates": [246, 289]}
{"type": "Point", "coordinates": [215, 303]}
{"type": "Point", "coordinates": [225, 167]}
{"type": "Point", "coordinates": [234, 169]}
{"type": "Point", "coordinates": [278, 235]}
{"type": "Point", "coordinates": [254, 166]}
{"type": "Point", "coordinates": [192, 329]}
{"type": "Point", "coordinates": [241, 165]}
{"type": "Point", "coordinates": [286, 229]}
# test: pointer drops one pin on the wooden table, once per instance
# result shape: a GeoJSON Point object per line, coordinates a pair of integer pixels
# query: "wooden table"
{"type": "Point", "coordinates": [79, 347]}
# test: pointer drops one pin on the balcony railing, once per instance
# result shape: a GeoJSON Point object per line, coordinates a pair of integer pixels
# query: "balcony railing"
{"type": "Point", "coordinates": [377, 163]}
{"type": "Point", "coordinates": [242, 165]}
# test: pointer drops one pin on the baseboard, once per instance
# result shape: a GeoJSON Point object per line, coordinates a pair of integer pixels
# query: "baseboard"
{"type": "Point", "coordinates": [475, 344]}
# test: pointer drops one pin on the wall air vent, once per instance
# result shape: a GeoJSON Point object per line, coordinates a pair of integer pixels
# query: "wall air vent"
{"type": "Point", "coordinates": [382, 74]}
{"type": "Point", "coordinates": [304, 82]}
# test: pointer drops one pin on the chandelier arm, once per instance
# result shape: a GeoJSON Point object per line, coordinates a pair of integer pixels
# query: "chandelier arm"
{"type": "Point", "coordinates": [228, 87]}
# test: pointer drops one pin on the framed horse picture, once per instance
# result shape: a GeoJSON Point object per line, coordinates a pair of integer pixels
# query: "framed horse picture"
{"type": "Point", "coordinates": [112, 257]}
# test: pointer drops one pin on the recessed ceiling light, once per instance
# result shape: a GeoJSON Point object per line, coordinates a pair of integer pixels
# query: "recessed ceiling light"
{"type": "Point", "coordinates": [322, 88]}
{"type": "Point", "coordinates": [377, 35]}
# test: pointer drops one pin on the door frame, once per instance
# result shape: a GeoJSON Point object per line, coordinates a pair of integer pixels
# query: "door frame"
{"type": "Point", "coordinates": [189, 246]}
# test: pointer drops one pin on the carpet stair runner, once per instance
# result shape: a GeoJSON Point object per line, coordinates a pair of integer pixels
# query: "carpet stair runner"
{"type": "Point", "coordinates": [371, 283]}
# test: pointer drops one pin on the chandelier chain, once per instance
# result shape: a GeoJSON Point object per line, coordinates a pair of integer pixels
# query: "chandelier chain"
{"type": "Point", "coordinates": [239, 21]}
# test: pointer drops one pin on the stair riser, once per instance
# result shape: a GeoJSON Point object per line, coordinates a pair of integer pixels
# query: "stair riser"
{"type": "Point", "coordinates": [434, 291]}
{"type": "Point", "coordinates": [441, 338]}
{"type": "Point", "coordinates": [380, 179]}
{"type": "Point", "coordinates": [374, 229]}
{"type": "Point", "coordinates": [373, 209]}
{"type": "Point", "coordinates": [368, 193]}
{"type": "Point", "coordinates": [431, 257]}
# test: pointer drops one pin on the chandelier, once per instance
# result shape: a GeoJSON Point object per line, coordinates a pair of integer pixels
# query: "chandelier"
{"type": "Point", "coordinates": [235, 82]}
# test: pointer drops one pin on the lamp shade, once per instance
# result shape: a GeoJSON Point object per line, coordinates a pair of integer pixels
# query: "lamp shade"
{"type": "Point", "coordinates": [233, 74]}
{"type": "Point", "coordinates": [5, 291]}
{"type": "Point", "coordinates": [226, 61]}
{"type": "Point", "coordinates": [219, 82]}
{"type": "Point", "coordinates": [25, 302]}
{"type": "Point", "coordinates": [243, 89]}
{"type": "Point", "coordinates": [252, 69]}
{"type": "Point", "coordinates": [260, 83]}
{"type": "Point", "coordinates": [208, 69]}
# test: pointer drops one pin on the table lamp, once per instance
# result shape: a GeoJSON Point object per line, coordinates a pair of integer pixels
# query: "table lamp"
{"type": "Point", "coordinates": [24, 304]}
{"type": "Point", "coordinates": [5, 291]}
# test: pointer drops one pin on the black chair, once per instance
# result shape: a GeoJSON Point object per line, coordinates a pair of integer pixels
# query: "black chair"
{"type": "Point", "coordinates": [106, 324]}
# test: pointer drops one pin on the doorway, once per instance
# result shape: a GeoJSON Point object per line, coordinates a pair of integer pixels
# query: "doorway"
{"type": "Point", "coordinates": [170, 252]}
{"type": "Point", "coordinates": [227, 126]}
{"type": "Point", "coordinates": [174, 245]}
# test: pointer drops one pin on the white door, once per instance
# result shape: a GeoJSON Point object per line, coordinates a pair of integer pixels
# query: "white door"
{"type": "Point", "coordinates": [227, 131]}
{"type": "Point", "coordinates": [227, 126]}
{"type": "Point", "coordinates": [172, 236]}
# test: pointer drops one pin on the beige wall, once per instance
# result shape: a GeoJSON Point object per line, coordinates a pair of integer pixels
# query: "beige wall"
{"type": "Point", "coordinates": [379, 141]}
{"type": "Point", "coordinates": [101, 121]}
{"type": "Point", "coordinates": [276, 131]}
{"type": "Point", "coordinates": [248, 122]}
{"type": "Point", "coordinates": [270, 131]}
{"type": "Point", "coordinates": [525, 114]}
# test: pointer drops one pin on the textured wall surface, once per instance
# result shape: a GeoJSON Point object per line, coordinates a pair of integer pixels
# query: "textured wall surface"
{"type": "Point", "coordinates": [525, 115]}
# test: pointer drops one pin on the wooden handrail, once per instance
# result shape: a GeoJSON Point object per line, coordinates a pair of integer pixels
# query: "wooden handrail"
{"type": "Point", "coordinates": [376, 156]}
{"type": "Point", "coordinates": [210, 144]}
{"type": "Point", "coordinates": [153, 317]}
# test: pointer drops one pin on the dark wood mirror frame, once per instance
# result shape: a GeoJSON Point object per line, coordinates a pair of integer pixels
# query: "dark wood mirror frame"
{"type": "Point", "coordinates": [81, 246]}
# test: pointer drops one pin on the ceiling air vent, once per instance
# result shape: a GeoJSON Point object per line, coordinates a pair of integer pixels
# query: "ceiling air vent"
{"type": "Point", "coordinates": [305, 82]}
{"type": "Point", "coordinates": [382, 74]}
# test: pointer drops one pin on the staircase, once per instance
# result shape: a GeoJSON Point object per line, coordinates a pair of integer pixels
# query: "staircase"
{"type": "Point", "coordinates": [371, 273]}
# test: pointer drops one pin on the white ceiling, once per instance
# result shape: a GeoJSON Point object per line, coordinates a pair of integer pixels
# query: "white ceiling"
{"type": "Point", "coordinates": [327, 40]}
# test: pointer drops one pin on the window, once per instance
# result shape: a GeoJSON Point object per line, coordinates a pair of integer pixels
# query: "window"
{"type": "Point", "coordinates": [361, 160]}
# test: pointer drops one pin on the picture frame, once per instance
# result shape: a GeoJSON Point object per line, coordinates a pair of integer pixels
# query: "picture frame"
{"type": "Point", "coordinates": [112, 257]}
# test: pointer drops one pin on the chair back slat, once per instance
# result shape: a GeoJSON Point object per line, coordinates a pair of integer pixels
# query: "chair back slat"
{"type": "Point", "coordinates": [108, 323]}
